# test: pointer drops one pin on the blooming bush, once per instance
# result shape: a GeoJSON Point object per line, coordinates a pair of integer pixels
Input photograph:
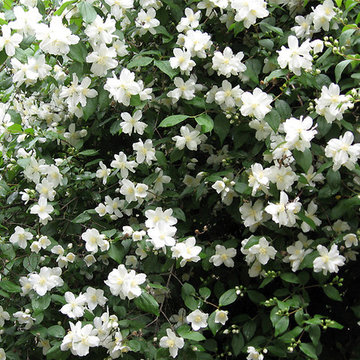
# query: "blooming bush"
{"type": "Point", "coordinates": [179, 179]}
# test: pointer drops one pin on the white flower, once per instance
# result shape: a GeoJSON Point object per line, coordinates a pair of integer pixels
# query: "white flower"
{"type": "Point", "coordinates": [125, 283]}
{"type": "Point", "coordinates": [258, 178]}
{"type": "Point", "coordinates": [221, 316]}
{"type": "Point", "coordinates": [4, 315]}
{"type": "Point", "coordinates": [121, 163]}
{"type": "Point", "coordinates": [328, 261]}
{"type": "Point", "coordinates": [310, 213]}
{"type": "Point", "coordinates": [295, 57]}
{"type": "Point", "coordinates": [75, 305]}
{"type": "Point", "coordinates": [2, 354]}
{"type": "Point", "coordinates": [254, 354]}
{"type": "Point", "coordinates": [297, 254]}
{"type": "Point", "coordinates": [8, 41]}
{"type": "Point", "coordinates": [190, 137]}
{"type": "Point", "coordinates": [172, 342]}
{"type": "Point", "coordinates": [112, 207]}
{"type": "Point", "coordinates": [20, 237]}
{"type": "Point", "coordinates": [100, 31]}
{"type": "Point", "coordinates": [155, 217]}
{"type": "Point", "coordinates": [182, 60]}
{"type": "Point", "coordinates": [83, 338]}
{"type": "Point", "coordinates": [198, 319]}
{"type": "Point", "coordinates": [24, 317]}
{"type": "Point", "coordinates": [162, 235]}
{"type": "Point", "coordinates": [351, 240]}
{"type": "Point", "coordinates": [179, 318]}
{"type": "Point", "coordinates": [322, 15]}
{"type": "Point", "coordinates": [147, 22]}
{"type": "Point", "coordinates": [256, 104]}
{"type": "Point", "coordinates": [190, 21]}
{"type": "Point", "coordinates": [93, 240]}
{"type": "Point", "coordinates": [46, 189]}
{"type": "Point", "coordinates": [331, 104]}
{"type": "Point", "coordinates": [42, 209]}
{"type": "Point", "coordinates": [223, 256]}
{"type": "Point", "coordinates": [103, 172]}
{"type": "Point", "coordinates": [184, 89]}
{"type": "Point", "coordinates": [57, 38]}
{"type": "Point", "coordinates": [227, 63]}
{"type": "Point", "coordinates": [187, 251]}
{"type": "Point", "coordinates": [122, 88]}
{"type": "Point", "coordinates": [131, 123]}
{"type": "Point", "coordinates": [45, 280]}
{"type": "Point", "coordinates": [145, 152]}
{"type": "Point", "coordinates": [299, 133]}
{"type": "Point", "coordinates": [197, 43]}
{"type": "Point", "coordinates": [128, 190]}
{"type": "Point", "coordinates": [102, 59]}
{"type": "Point", "coordinates": [94, 297]}
{"type": "Point", "coordinates": [249, 11]}
{"type": "Point", "coordinates": [284, 212]}
{"type": "Point", "coordinates": [342, 152]}
{"type": "Point", "coordinates": [252, 215]}
{"type": "Point", "coordinates": [263, 251]}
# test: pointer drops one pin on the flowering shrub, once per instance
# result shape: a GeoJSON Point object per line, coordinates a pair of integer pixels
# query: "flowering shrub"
{"type": "Point", "coordinates": [179, 179]}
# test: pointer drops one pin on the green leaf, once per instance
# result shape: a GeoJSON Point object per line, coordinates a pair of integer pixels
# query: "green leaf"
{"type": "Point", "coordinates": [82, 218]}
{"type": "Point", "coordinates": [314, 333]}
{"type": "Point", "coordinates": [139, 61]}
{"type": "Point", "coordinates": [221, 127]}
{"type": "Point", "coordinates": [192, 335]}
{"type": "Point", "coordinates": [256, 296]}
{"type": "Point", "coordinates": [251, 242]}
{"type": "Point", "coordinates": [333, 178]}
{"type": "Point", "coordinates": [303, 159]}
{"type": "Point", "coordinates": [134, 345]}
{"type": "Point", "coordinates": [293, 333]}
{"type": "Point", "coordinates": [61, 9]}
{"type": "Point", "coordinates": [78, 52]}
{"type": "Point", "coordinates": [161, 158]}
{"type": "Point", "coordinates": [283, 108]}
{"type": "Point", "coordinates": [266, 43]}
{"type": "Point", "coordinates": [173, 120]}
{"type": "Point", "coordinates": [228, 297]}
{"type": "Point", "coordinates": [249, 329]}
{"type": "Point", "coordinates": [290, 278]}
{"type": "Point", "coordinates": [116, 252]}
{"type": "Point", "coordinates": [339, 68]}
{"type": "Point", "coordinates": [179, 214]}
{"type": "Point", "coordinates": [31, 262]}
{"type": "Point", "coordinates": [41, 302]}
{"type": "Point", "coordinates": [90, 152]}
{"type": "Point", "coordinates": [273, 119]}
{"type": "Point", "coordinates": [7, 250]}
{"type": "Point", "coordinates": [237, 343]}
{"type": "Point", "coordinates": [264, 26]}
{"type": "Point", "coordinates": [206, 122]}
{"type": "Point", "coordinates": [165, 67]}
{"type": "Point", "coordinates": [90, 108]}
{"type": "Point", "coordinates": [205, 292]}
{"type": "Point", "coordinates": [331, 292]}
{"type": "Point", "coordinates": [147, 303]}
{"type": "Point", "coordinates": [276, 74]}
{"type": "Point", "coordinates": [282, 325]}
{"type": "Point", "coordinates": [87, 11]}
{"type": "Point", "coordinates": [309, 350]}
{"type": "Point", "coordinates": [15, 129]}
{"type": "Point", "coordinates": [56, 331]}
{"type": "Point", "coordinates": [9, 286]}
{"type": "Point", "coordinates": [213, 326]}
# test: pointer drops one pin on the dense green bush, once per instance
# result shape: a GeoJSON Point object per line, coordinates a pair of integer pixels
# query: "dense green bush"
{"type": "Point", "coordinates": [179, 179]}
